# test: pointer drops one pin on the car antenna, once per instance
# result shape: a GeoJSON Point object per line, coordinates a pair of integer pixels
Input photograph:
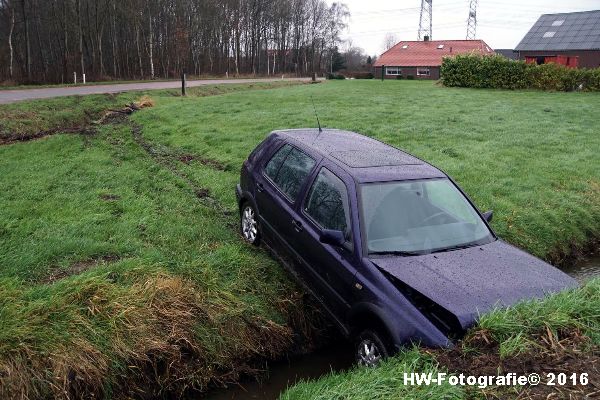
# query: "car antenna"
{"type": "Point", "coordinates": [316, 115]}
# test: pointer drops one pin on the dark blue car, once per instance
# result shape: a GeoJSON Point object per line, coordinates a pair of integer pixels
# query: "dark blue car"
{"type": "Point", "coordinates": [389, 245]}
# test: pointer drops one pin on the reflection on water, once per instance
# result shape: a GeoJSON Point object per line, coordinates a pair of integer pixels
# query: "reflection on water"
{"type": "Point", "coordinates": [283, 374]}
{"type": "Point", "coordinates": [585, 269]}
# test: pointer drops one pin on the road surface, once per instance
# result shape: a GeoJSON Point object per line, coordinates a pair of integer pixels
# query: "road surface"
{"type": "Point", "coordinates": [12, 96]}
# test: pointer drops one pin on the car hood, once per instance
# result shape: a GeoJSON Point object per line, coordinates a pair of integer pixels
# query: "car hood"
{"type": "Point", "coordinates": [469, 282]}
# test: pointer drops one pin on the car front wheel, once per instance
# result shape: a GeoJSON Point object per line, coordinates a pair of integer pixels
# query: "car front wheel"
{"type": "Point", "coordinates": [249, 225]}
{"type": "Point", "coordinates": [370, 349]}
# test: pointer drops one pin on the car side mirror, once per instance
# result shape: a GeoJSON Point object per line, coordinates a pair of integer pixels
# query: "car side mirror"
{"type": "Point", "coordinates": [488, 215]}
{"type": "Point", "coordinates": [332, 237]}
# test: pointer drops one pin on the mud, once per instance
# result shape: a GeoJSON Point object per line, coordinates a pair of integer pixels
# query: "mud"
{"type": "Point", "coordinates": [214, 164]}
{"type": "Point", "coordinates": [110, 197]}
{"type": "Point", "coordinates": [78, 267]}
{"type": "Point", "coordinates": [7, 139]}
{"type": "Point", "coordinates": [202, 193]}
{"type": "Point", "coordinates": [569, 353]}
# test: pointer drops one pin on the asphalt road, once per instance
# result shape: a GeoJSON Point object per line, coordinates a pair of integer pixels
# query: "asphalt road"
{"type": "Point", "coordinates": [12, 96]}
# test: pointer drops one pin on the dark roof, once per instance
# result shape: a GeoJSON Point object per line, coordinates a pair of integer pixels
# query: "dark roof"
{"type": "Point", "coordinates": [567, 31]}
{"type": "Point", "coordinates": [430, 53]}
{"type": "Point", "coordinates": [508, 53]}
{"type": "Point", "coordinates": [365, 158]}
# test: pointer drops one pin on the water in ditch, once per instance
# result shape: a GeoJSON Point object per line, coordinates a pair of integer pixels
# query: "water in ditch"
{"type": "Point", "coordinates": [586, 268]}
{"type": "Point", "coordinates": [283, 374]}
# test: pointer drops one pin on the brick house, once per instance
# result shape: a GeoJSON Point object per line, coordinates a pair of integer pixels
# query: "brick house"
{"type": "Point", "coordinates": [423, 59]}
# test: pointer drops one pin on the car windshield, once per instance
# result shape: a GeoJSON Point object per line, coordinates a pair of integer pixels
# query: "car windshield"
{"type": "Point", "coordinates": [419, 217]}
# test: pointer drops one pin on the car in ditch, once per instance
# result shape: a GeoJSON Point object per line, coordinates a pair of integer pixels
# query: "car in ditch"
{"type": "Point", "coordinates": [388, 244]}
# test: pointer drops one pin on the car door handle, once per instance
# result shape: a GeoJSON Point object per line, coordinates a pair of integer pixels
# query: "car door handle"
{"type": "Point", "coordinates": [260, 187]}
{"type": "Point", "coordinates": [297, 225]}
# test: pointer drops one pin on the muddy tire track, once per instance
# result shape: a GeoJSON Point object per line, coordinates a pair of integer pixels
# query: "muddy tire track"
{"type": "Point", "coordinates": [166, 158]}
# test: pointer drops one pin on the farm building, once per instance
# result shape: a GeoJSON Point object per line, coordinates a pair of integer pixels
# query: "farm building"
{"type": "Point", "coordinates": [423, 59]}
{"type": "Point", "coordinates": [571, 39]}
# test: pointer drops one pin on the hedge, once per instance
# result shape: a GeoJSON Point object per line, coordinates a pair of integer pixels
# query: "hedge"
{"type": "Point", "coordinates": [498, 72]}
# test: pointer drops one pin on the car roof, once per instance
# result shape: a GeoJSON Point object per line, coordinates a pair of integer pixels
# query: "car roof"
{"type": "Point", "coordinates": [364, 158]}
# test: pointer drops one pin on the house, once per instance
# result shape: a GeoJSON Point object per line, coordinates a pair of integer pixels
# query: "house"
{"type": "Point", "coordinates": [571, 39]}
{"type": "Point", "coordinates": [423, 59]}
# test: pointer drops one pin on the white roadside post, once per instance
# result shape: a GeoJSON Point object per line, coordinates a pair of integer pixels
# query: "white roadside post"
{"type": "Point", "coordinates": [84, 79]}
{"type": "Point", "coordinates": [75, 78]}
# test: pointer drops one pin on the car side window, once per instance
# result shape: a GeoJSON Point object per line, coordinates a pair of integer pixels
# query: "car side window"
{"type": "Point", "coordinates": [327, 203]}
{"type": "Point", "coordinates": [288, 169]}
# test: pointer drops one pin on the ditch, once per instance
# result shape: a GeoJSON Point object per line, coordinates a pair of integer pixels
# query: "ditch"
{"type": "Point", "coordinates": [336, 357]}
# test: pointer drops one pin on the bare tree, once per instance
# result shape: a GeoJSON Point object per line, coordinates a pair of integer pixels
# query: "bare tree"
{"type": "Point", "coordinates": [389, 41]}
{"type": "Point", "coordinates": [6, 5]}
{"type": "Point", "coordinates": [127, 39]}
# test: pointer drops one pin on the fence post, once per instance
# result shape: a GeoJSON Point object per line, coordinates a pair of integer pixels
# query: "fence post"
{"type": "Point", "coordinates": [183, 84]}
{"type": "Point", "coordinates": [382, 72]}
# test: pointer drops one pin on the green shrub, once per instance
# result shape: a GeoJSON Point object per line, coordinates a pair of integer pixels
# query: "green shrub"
{"type": "Point", "coordinates": [410, 77]}
{"type": "Point", "coordinates": [498, 72]}
{"type": "Point", "coordinates": [399, 77]}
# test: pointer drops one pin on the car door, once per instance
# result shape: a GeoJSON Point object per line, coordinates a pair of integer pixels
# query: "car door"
{"type": "Point", "coordinates": [278, 186]}
{"type": "Point", "coordinates": [327, 205]}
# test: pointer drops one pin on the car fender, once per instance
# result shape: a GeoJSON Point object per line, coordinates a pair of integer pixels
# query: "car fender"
{"type": "Point", "coordinates": [244, 196]}
{"type": "Point", "coordinates": [363, 311]}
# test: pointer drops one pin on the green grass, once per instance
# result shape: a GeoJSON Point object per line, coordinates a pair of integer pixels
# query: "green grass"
{"type": "Point", "coordinates": [162, 274]}
{"type": "Point", "coordinates": [576, 309]}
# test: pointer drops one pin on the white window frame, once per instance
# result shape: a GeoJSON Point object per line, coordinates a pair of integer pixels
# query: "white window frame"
{"type": "Point", "coordinates": [396, 71]}
{"type": "Point", "coordinates": [423, 72]}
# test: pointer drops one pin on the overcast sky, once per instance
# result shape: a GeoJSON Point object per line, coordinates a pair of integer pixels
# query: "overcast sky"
{"type": "Point", "coordinates": [501, 24]}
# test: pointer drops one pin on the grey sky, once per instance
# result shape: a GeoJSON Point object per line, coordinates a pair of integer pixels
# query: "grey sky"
{"type": "Point", "coordinates": [502, 24]}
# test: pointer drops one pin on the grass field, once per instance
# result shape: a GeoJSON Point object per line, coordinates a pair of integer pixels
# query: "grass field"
{"type": "Point", "coordinates": [120, 266]}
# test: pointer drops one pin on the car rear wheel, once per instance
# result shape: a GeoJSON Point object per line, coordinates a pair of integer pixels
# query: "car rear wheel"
{"type": "Point", "coordinates": [370, 349]}
{"type": "Point", "coordinates": [249, 224]}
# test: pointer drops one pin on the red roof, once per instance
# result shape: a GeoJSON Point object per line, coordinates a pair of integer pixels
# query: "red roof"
{"type": "Point", "coordinates": [429, 54]}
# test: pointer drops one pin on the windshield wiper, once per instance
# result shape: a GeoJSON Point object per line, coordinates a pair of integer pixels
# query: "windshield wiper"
{"type": "Point", "coordinates": [396, 253]}
{"type": "Point", "coordinates": [459, 247]}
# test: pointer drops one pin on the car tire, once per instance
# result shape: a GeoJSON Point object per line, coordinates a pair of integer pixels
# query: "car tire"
{"type": "Point", "coordinates": [371, 348]}
{"type": "Point", "coordinates": [249, 224]}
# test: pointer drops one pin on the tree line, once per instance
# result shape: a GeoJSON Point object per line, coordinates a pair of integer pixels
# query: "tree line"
{"type": "Point", "coordinates": [50, 40]}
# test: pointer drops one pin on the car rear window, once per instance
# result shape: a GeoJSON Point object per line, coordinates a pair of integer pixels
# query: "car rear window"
{"type": "Point", "coordinates": [273, 166]}
{"type": "Point", "coordinates": [288, 169]}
